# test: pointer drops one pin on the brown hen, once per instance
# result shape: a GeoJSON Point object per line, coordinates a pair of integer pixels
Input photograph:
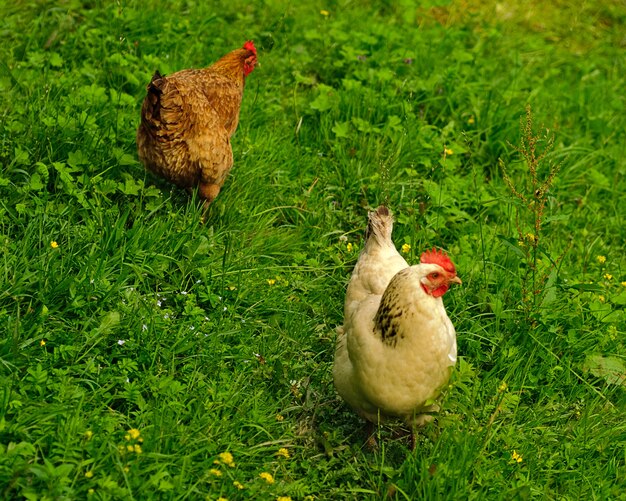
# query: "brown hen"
{"type": "Point", "coordinates": [187, 119]}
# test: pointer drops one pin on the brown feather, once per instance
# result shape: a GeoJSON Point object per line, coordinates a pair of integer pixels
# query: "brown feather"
{"type": "Point", "coordinates": [187, 119]}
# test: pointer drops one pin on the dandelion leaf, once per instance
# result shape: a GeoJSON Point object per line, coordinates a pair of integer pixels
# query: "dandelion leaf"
{"type": "Point", "coordinates": [611, 369]}
{"type": "Point", "coordinates": [108, 322]}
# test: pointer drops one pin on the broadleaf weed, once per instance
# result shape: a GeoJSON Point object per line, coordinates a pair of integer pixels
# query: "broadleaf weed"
{"type": "Point", "coordinates": [532, 194]}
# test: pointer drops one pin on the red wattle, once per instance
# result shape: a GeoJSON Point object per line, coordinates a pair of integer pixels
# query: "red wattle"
{"type": "Point", "coordinates": [440, 291]}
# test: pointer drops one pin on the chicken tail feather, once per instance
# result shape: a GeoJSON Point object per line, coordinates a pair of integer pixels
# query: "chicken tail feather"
{"type": "Point", "coordinates": [379, 226]}
{"type": "Point", "coordinates": [154, 95]}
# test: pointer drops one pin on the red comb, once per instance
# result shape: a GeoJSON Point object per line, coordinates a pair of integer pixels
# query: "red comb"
{"type": "Point", "coordinates": [438, 257]}
{"type": "Point", "coordinates": [249, 45]}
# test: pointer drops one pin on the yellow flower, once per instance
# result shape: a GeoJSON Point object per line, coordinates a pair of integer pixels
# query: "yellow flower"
{"type": "Point", "coordinates": [283, 452]}
{"type": "Point", "coordinates": [601, 259]}
{"type": "Point", "coordinates": [138, 449]}
{"type": "Point", "coordinates": [216, 472]}
{"type": "Point", "coordinates": [608, 276]}
{"type": "Point", "coordinates": [448, 151]}
{"type": "Point", "coordinates": [283, 498]}
{"type": "Point", "coordinates": [516, 457]}
{"type": "Point", "coordinates": [623, 284]}
{"type": "Point", "coordinates": [279, 417]}
{"type": "Point", "coordinates": [88, 434]}
{"type": "Point", "coordinates": [471, 120]}
{"type": "Point", "coordinates": [267, 477]}
{"type": "Point", "coordinates": [349, 247]}
{"type": "Point", "coordinates": [89, 473]}
{"type": "Point", "coordinates": [239, 485]}
{"type": "Point", "coordinates": [42, 342]}
{"type": "Point", "coordinates": [271, 281]}
{"type": "Point", "coordinates": [134, 433]}
{"type": "Point", "coordinates": [54, 244]}
{"type": "Point", "coordinates": [406, 248]}
{"type": "Point", "coordinates": [90, 492]}
{"type": "Point", "coordinates": [222, 499]}
{"type": "Point", "coordinates": [130, 448]}
{"type": "Point", "coordinates": [126, 469]}
{"type": "Point", "coordinates": [503, 386]}
{"type": "Point", "coordinates": [227, 458]}
{"type": "Point", "coordinates": [324, 13]}
{"type": "Point", "coordinates": [602, 299]}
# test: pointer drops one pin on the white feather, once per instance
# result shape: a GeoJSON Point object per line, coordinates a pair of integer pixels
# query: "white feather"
{"type": "Point", "coordinates": [402, 375]}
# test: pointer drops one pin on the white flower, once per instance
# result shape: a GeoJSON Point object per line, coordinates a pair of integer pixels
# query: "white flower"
{"type": "Point", "coordinates": [121, 341]}
{"type": "Point", "coordinates": [144, 327]}
{"type": "Point", "coordinates": [184, 293]}
{"type": "Point", "coordinates": [159, 302]}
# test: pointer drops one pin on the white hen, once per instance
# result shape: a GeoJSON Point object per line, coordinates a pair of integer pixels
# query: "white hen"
{"type": "Point", "coordinates": [397, 346]}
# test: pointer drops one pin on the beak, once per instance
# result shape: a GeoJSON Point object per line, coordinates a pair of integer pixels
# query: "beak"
{"type": "Point", "coordinates": [455, 280]}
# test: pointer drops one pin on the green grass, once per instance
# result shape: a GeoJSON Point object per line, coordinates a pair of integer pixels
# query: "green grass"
{"type": "Point", "coordinates": [219, 336]}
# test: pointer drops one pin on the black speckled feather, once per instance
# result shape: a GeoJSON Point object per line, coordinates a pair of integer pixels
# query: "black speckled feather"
{"type": "Point", "coordinates": [387, 319]}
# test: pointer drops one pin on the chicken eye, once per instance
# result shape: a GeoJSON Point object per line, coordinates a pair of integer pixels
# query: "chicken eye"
{"type": "Point", "coordinates": [434, 275]}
